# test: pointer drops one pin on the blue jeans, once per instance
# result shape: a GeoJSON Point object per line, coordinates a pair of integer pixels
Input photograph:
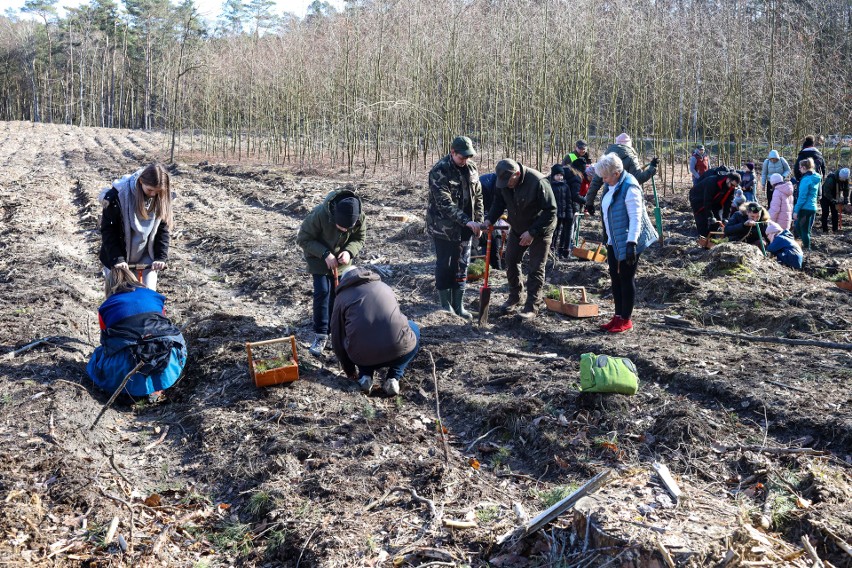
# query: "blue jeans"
{"type": "Point", "coordinates": [396, 368]}
{"type": "Point", "coordinates": [323, 302]}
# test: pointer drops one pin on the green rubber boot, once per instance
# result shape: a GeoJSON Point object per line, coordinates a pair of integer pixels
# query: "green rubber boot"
{"type": "Point", "coordinates": [446, 298]}
{"type": "Point", "coordinates": [458, 304]}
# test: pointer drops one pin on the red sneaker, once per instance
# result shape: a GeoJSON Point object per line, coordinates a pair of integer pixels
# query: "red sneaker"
{"type": "Point", "coordinates": [622, 326]}
{"type": "Point", "coordinates": [612, 322]}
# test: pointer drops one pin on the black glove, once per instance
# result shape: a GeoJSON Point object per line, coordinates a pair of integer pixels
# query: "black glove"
{"type": "Point", "coordinates": [591, 209]}
{"type": "Point", "coordinates": [631, 254]}
{"type": "Point", "coordinates": [655, 162]}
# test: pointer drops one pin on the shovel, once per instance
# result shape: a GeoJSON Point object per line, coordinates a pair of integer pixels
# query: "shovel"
{"type": "Point", "coordinates": [485, 290]}
{"type": "Point", "coordinates": [839, 216]}
{"type": "Point", "coordinates": [760, 239]}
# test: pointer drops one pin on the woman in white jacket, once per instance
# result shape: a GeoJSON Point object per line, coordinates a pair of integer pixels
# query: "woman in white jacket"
{"type": "Point", "coordinates": [773, 164]}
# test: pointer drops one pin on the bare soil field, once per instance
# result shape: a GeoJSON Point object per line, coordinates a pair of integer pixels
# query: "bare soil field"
{"type": "Point", "coordinates": [757, 434]}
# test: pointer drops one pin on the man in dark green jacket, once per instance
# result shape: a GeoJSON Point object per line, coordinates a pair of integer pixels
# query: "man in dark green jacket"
{"type": "Point", "coordinates": [527, 195]}
{"type": "Point", "coordinates": [331, 236]}
{"type": "Point", "coordinates": [453, 217]}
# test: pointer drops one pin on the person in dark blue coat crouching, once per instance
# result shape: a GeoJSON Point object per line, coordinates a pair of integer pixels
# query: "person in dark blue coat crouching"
{"type": "Point", "coordinates": [134, 331]}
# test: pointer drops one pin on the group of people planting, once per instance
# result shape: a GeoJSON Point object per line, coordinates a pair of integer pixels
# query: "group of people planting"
{"type": "Point", "coordinates": [143, 353]}
{"type": "Point", "coordinates": [725, 202]}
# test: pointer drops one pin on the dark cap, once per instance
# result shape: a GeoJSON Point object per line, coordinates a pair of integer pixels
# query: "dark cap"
{"type": "Point", "coordinates": [505, 169]}
{"type": "Point", "coordinates": [347, 212]}
{"type": "Point", "coordinates": [464, 146]}
{"type": "Point", "coordinates": [750, 165]}
{"type": "Point", "coordinates": [581, 144]}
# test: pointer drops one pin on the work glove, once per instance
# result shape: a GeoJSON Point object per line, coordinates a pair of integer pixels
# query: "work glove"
{"type": "Point", "coordinates": [655, 162]}
{"type": "Point", "coordinates": [631, 254]}
{"type": "Point", "coordinates": [590, 208]}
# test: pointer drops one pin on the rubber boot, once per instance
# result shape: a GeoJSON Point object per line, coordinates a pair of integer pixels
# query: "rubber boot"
{"type": "Point", "coordinates": [446, 298]}
{"type": "Point", "coordinates": [458, 304]}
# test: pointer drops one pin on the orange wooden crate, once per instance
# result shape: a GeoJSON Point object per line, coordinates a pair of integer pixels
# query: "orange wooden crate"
{"type": "Point", "coordinates": [583, 309]}
{"type": "Point", "coordinates": [278, 375]}
{"type": "Point", "coordinates": [584, 253]}
{"type": "Point", "coordinates": [848, 284]}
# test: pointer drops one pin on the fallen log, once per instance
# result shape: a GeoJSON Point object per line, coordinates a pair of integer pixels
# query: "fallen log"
{"type": "Point", "coordinates": [761, 338]}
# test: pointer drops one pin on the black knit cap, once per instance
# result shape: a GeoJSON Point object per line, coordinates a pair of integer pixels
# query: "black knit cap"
{"type": "Point", "coordinates": [557, 169]}
{"type": "Point", "coordinates": [347, 212]}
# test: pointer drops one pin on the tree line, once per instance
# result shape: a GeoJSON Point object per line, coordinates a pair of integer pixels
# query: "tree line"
{"type": "Point", "coordinates": [391, 82]}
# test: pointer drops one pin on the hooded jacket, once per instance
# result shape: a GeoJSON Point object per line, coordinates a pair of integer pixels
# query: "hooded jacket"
{"type": "Point", "coordinates": [781, 208]}
{"type": "Point", "coordinates": [736, 229]}
{"type": "Point", "coordinates": [710, 195]}
{"type": "Point", "coordinates": [632, 165]}
{"type": "Point", "coordinates": [809, 187]}
{"type": "Point", "coordinates": [835, 189]}
{"type": "Point", "coordinates": [816, 155]}
{"type": "Point", "coordinates": [531, 205]}
{"type": "Point", "coordinates": [367, 327]}
{"type": "Point", "coordinates": [117, 223]}
{"type": "Point", "coordinates": [779, 167]}
{"type": "Point", "coordinates": [318, 236]}
{"type": "Point", "coordinates": [455, 199]}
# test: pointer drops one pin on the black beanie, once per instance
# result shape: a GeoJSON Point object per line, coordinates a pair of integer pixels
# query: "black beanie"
{"type": "Point", "coordinates": [556, 169]}
{"type": "Point", "coordinates": [347, 212]}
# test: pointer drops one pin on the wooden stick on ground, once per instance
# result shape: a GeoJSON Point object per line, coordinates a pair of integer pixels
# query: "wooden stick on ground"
{"type": "Point", "coordinates": [28, 346]}
{"type": "Point", "coordinates": [158, 441]}
{"type": "Point", "coordinates": [557, 509]}
{"type": "Point", "coordinates": [763, 338]}
{"type": "Point", "coordinates": [775, 451]}
{"type": "Point", "coordinates": [438, 411]}
{"type": "Point", "coordinates": [840, 542]}
{"type": "Point", "coordinates": [428, 502]}
{"type": "Point", "coordinates": [116, 393]}
{"type": "Point", "coordinates": [811, 552]}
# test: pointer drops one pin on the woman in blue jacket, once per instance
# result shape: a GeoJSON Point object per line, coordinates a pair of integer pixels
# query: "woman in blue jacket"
{"type": "Point", "coordinates": [805, 210]}
{"type": "Point", "coordinates": [629, 230]}
{"type": "Point", "coordinates": [134, 330]}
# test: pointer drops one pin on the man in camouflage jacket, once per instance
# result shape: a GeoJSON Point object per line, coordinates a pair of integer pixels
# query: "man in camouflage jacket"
{"type": "Point", "coordinates": [453, 217]}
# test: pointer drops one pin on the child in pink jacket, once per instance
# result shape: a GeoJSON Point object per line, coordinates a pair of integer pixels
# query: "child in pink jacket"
{"type": "Point", "coordinates": [781, 208]}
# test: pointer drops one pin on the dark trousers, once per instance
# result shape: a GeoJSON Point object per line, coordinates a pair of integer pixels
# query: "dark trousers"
{"type": "Point", "coordinates": [396, 368]}
{"type": "Point", "coordinates": [451, 260]}
{"type": "Point", "coordinates": [324, 294]}
{"type": "Point", "coordinates": [828, 208]}
{"type": "Point", "coordinates": [623, 277]}
{"type": "Point", "coordinates": [563, 237]}
{"type": "Point", "coordinates": [768, 194]}
{"type": "Point", "coordinates": [804, 222]}
{"type": "Point", "coordinates": [701, 219]}
{"type": "Point", "coordinates": [539, 250]}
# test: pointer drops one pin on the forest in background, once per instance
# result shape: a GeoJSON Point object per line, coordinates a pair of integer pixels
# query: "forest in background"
{"type": "Point", "coordinates": [389, 83]}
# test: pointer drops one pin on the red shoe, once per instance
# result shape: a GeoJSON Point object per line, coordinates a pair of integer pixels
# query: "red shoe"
{"type": "Point", "coordinates": [612, 322]}
{"type": "Point", "coordinates": [622, 326]}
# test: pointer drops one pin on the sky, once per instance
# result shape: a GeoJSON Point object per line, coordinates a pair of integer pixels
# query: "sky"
{"type": "Point", "coordinates": [210, 9]}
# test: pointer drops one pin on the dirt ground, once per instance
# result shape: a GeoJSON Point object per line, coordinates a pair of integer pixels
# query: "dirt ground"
{"type": "Point", "coordinates": [758, 435]}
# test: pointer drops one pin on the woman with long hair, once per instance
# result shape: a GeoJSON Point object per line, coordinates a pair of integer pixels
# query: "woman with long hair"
{"type": "Point", "coordinates": [137, 220]}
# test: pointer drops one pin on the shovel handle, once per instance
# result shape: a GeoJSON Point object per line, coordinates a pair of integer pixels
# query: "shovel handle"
{"type": "Point", "coordinates": [490, 230]}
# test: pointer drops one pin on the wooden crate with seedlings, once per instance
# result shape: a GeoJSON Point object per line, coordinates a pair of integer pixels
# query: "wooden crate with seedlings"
{"type": "Point", "coordinates": [581, 309]}
{"type": "Point", "coordinates": [847, 285]}
{"type": "Point", "coordinates": [596, 254]}
{"type": "Point", "coordinates": [275, 370]}
{"type": "Point", "coordinates": [712, 239]}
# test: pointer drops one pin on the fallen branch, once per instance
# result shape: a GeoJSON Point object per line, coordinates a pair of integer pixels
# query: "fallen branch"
{"type": "Point", "coordinates": [664, 553]}
{"type": "Point", "coordinates": [158, 441]}
{"type": "Point", "coordinates": [811, 552]}
{"type": "Point", "coordinates": [528, 355]}
{"type": "Point", "coordinates": [441, 433]}
{"type": "Point", "coordinates": [763, 338]}
{"type": "Point", "coordinates": [161, 538]}
{"type": "Point", "coordinates": [472, 444]}
{"type": "Point", "coordinates": [118, 471]}
{"type": "Point", "coordinates": [667, 479]}
{"type": "Point", "coordinates": [557, 509]}
{"type": "Point", "coordinates": [786, 386]}
{"type": "Point", "coordinates": [450, 523]}
{"type": "Point", "coordinates": [840, 542]}
{"type": "Point", "coordinates": [776, 451]}
{"type": "Point", "coordinates": [28, 346]}
{"type": "Point", "coordinates": [428, 502]}
{"type": "Point", "coordinates": [116, 393]}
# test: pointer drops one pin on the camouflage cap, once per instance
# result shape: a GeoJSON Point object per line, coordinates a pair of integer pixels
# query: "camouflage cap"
{"type": "Point", "coordinates": [505, 170]}
{"type": "Point", "coordinates": [464, 146]}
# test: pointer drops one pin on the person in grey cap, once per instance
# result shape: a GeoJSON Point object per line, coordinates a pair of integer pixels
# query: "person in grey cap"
{"type": "Point", "coordinates": [453, 217]}
{"type": "Point", "coordinates": [579, 159]}
{"type": "Point", "coordinates": [527, 195]}
{"type": "Point", "coordinates": [331, 236]}
{"type": "Point", "coordinates": [699, 162]}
